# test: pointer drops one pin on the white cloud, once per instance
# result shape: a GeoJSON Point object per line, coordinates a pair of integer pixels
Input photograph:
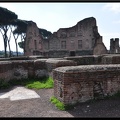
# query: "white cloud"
{"type": "Point", "coordinates": [115, 7]}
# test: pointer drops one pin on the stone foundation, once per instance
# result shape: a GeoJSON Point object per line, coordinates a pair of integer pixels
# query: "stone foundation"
{"type": "Point", "coordinates": [81, 83]}
{"type": "Point", "coordinates": [76, 79]}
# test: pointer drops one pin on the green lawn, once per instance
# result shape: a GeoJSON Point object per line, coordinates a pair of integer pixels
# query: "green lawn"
{"type": "Point", "coordinates": [29, 83]}
{"type": "Point", "coordinates": [40, 84]}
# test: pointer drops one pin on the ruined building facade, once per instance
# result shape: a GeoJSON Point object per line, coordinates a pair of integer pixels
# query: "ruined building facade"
{"type": "Point", "coordinates": [81, 39]}
{"type": "Point", "coordinates": [114, 46]}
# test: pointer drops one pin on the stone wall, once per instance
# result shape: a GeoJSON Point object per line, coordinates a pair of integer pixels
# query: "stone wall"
{"type": "Point", "coordinates": [80, 39]}
{"type": "Point", "coordinates": [114, 46]}
{"type": "Point", "coordinates": [100, 48]}
{"type": "Point", "coordinates": [33, 41]}
{"type": "Point", "coordinates": [85, 60]}
{"type": "Point", "coordinates": [34, 68]}
{"type": "Point", "coordinates": [55, 63]}
{"type": "Point", "coordinates": [82, 83]}
{"type": "Point", "coordinates": [76, 79]}
{"type": "Point", "coordinates": [111, 59]}
{"type": "Point", "coordinates": [6, 71]}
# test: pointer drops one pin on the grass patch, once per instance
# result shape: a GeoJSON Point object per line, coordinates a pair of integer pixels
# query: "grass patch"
{"type": "Point", "coordinates": [29, 83]}
{"type": "Point", "coordinates": [40, 84]}
{"type": "Point", "coordinates": [57, 103]}
{"type": "Point", "coordinates": [60, 105]}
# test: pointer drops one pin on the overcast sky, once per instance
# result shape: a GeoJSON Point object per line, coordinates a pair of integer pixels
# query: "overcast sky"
{"type": "Point", "coordinates": [52, 16]}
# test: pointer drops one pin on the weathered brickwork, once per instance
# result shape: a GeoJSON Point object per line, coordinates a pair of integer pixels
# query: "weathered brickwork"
{"type": "Point", "coordinates": [86, 60]}
{"type": "Point", "coordinates": [33, 40]}
{"type": "Point", "coordinates": [22, 69]}
{"type": "Point", "coordinates": [54, 63]}
{"type": "Point", "coordinates": [80, 39]}
{"type": "Point", "coordinates": [114, 46]}
{"type": "Point", "coordinates": [82, 83]}
{"type": "Point", "coordinates": [40, 68]}
{"type": "Point", "coordinates": [76, 79]}
{"type": "Point", "coordinates": [111, 59]}
{"type": "Point", "coordinates": [5, 70]}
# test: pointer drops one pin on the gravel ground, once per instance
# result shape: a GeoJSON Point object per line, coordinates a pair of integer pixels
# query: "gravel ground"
{"type": "Point", "coordinates": [41, 107]}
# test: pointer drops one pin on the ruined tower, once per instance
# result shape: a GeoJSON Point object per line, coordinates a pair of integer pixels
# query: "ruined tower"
{"type": "Point", "coordinates": [114, 46]}
{"type": "Point", "coordinates": [33, 42]}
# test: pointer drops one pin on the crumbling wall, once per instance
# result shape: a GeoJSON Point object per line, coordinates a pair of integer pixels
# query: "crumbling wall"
{"type": "Point", "coordinates": [34, 68]}
{"type": "Point", "coordinates": [99, 48]}
{"type": "Point", "coordinates": [82, 83]}
{"type": "Point", "coordinates": [114, 46]}
{"type": "Point", "coordinates": [6, 70]}
{"type": "Point", "coordinates": [80, 39]}
{"type": "Point", "coordinates": [33, 41]}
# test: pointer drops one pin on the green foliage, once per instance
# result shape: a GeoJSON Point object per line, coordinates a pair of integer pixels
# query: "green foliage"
{"type": "Point", "coordinates": [57, 103]}
{"type": "Point", "coordinates": [21, 44]}
{"type": "Point", "coordinates": [44, 33]}
{"type": "Point", "coordinates": [4, 85]}
{"type": "Point", "coordinates": [6, 16]}
{"type": "Point", "coordinates": [34, 83]}
{"type": "Point", "coordinates": [39, 84]}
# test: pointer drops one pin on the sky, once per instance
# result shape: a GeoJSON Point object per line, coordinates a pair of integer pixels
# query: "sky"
{"type": "Point", "coordinates": [52, 16]}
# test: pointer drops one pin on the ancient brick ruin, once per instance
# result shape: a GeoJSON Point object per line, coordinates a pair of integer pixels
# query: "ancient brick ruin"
{"type": "Point", "coordinates": [114, 46]}
{"type": "Point", "coordinates": [33, 42]}
{"type": "Point", "coordinates": [81, 39]}
{"type": "Point", "coordinates": [76, 79]}
{"type": "Point", "coordinates": [81, 83]}
{"type": "Point", "coordinates": [76, 59]}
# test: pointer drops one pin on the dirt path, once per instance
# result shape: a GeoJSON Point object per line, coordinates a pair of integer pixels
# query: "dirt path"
{"type": "Point", "coordinates": [41, 107]}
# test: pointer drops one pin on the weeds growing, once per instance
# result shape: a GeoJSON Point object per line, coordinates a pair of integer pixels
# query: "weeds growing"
{"type": "Point", "coordinates": [29, 83]}
{"type": "Point", "coordinates": [57, 103]}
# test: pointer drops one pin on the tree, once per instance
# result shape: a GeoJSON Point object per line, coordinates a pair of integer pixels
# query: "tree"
{"type": "Point", "coordinates": [20, 27]}
{"type": "Point", "coordinates": [45, 34]}
{"type": "Point", "coordinates": [21, 44]}
{"type": "Point", "coordinates": [6, 17]}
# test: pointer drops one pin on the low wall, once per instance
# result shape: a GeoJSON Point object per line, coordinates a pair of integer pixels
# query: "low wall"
{"type": "Point", "coordinates": [34, 68]}
{"type": "Point", "coordinates": [96, 59]}
{"type": "Point", "coordinates": [111, 59]}
{"type": "Point", "coordinates": [81, 83]}
{"type": "Point", "coordinates": [54, 63]}
{"type": "Point", "coordinates": [86, 60]}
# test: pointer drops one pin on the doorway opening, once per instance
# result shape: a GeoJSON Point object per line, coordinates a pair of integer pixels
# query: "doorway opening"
{"type": "Point", "coordinates": [72, 53]}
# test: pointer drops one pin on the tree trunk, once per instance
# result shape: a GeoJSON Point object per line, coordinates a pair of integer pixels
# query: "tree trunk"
{"type": "Point", "coordinates": [9, 45]}
{"type": "Point", "coordinates": [5, 29]}
{"type": "Point", "coordinates": [23, 35]}
{"type": "Point", "coordinates": [15, 40]}
{"type": "Point", "coordinates": [16, 46]}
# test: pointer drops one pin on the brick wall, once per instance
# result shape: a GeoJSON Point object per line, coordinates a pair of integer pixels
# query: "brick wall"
{"type": "Point", "coordinates": [80, 39]}
{"type": "Point", "coordinates": [86, 60]}
{"type": "Point", "coordinates": [82, 83]}
{"type": "Point", "coordinates": [34, 68]}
